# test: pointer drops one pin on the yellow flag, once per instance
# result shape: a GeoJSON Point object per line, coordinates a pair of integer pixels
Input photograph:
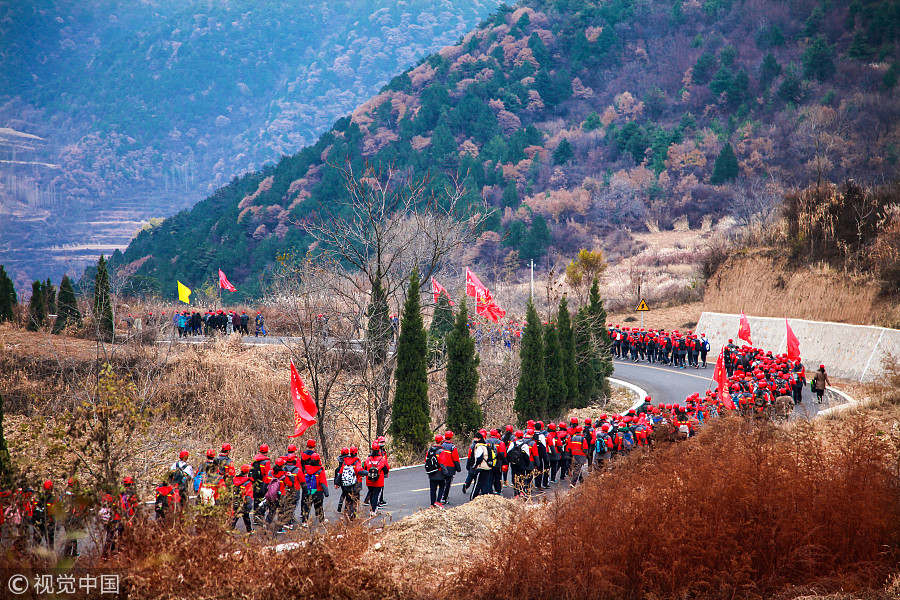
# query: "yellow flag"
{"type": "Point", "coordinates": [184, 293]}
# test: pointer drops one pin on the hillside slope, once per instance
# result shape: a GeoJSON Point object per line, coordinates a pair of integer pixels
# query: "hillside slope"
{"type": "Point", "coordinates": [572, 118]}
{"type": "Point", "coordinates": [143, 108]}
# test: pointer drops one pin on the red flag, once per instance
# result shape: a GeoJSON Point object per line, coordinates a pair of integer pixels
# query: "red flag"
{"type": "Point", "coordinates": [744, 330]}
{"type": "Point", "coordinates": [793, 344]}
{"type": "Point", "coordinates": [720, 376]}
{"type": "Point", "coordinates": [304, 408]}
{"type": "Point", "coordinates": [224, 283]}
{"type": "Point", "coordinates": [484, 302]}
{"type": "Point", "coordinates": [437, 289]}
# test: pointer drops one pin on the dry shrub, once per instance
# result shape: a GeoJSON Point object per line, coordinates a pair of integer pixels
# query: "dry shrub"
{"type": "Point", "coordinates": [199, 560]}
{"type": "Point", "coordinates": [743, 511]}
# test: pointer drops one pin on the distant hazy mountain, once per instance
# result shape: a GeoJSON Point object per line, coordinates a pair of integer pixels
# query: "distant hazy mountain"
{"type": "Point", "coordinates": [115, 111]}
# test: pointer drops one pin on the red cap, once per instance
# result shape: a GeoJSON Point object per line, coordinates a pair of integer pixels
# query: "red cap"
{"type": "Point", "coordinates": [552, 426]}
{"type": "Point", "coordinates": [375, 446]}
{"type": "Point", "coordinates": [48, 485]}
{"type": "Point", "coordinates": [509, 427]}
{"type": "Point", "coordinates": [448, 435]}
{"type": "Point", "coordinates": [573, 420]}
{"type": "Point", "coordinates": [587, 421]}
{"type": "Point", "coordinates": [263, 448]}
{"type": "Point", "coordinates": [245, 468]}
{"type": "Point", "coordinates": [183, 454]}
{"type": "Point", "coordinates": [210, 453]}
{"type": "Point", "coordinates": [226, 448]}
{"type": "Point", "coordinates": [438, 439]}
{"type": "Point", "coordinates": [279, 461]}
{"type": "Point", "coordinates": [519, 434]}
{"type": "Point", "coordinates": [345, 451]}
{"type": "Point", "coordinates": [353, 449]}
{"type": "Point", "coordinates": [292, 448]}
{"type": "Point", "coordinates": [310, 443]}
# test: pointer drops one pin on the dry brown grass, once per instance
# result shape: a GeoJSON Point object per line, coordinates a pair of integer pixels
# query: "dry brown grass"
{"type": "Point", "coordinates": [743, 511]}
{"type": "Point", "coordinates": [760, 283]}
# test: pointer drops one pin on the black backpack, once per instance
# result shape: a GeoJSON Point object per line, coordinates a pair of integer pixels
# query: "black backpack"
{"type": "Point", "coordinates": [372, 475]}
{"type": "Point", "coordinates": [431, 461]}
{"type": "Point", "coordinates": [517, 455]}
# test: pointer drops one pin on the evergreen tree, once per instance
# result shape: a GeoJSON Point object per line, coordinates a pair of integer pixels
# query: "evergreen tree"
{"type": "Point", "coordinates": [585, 358]}
{"type": "Point", "coordinates": [603, 365]}
{"type": "Point", "coordinates": [726, 167]}
{"type": "Point", "coordinates": [511, 195]}
{"type": "Point", "coordinates": [557, 394]}
{"type": "Point", "coordinates": [441, 325]}
{"type": "Point", "coordinates": [567, 346]}
{"type": "Point", "coordinates": [818, 60]}
{"type": "Point", "coordinates": [411, 416]}
{"type": "Point", "coordinates": [378, 332]}
{"type": "Point", "coordinates": [7, 475]}
{"type": "Point", "coordinates": [463, 413]}
{"type": "Point", "coordinates": [37, 312]}
{"type": "Point", "coordinates": [49, 297]}
{"type": "Point", "coordinates": [563, 152]}
{"type": "Point", "coordinates": [8, 299]}
{"type": "Point", "coordinates": [67, 305]}
{"type": "Point", "coordinates": [531, 390]}
{"type": "Point", "coordinates": [103, 317]}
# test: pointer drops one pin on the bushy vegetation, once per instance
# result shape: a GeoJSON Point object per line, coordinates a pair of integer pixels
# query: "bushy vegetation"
{"type": "Point", "coordinates": [567, 117]}
{"type": "Point", "coordinates": [742, 511]}
{"type": "Point", "coordinates": [850, 226]}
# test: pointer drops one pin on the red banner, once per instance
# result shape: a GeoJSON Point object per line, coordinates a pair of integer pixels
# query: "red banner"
{"type": "Point", "coordinates": [484, 302]}
{"type": "Point", "coordinates": [793, 344]}
{"type": "Point", "coordinates": [720, 376]}
{"type": "Point", "coordinates": [744, 329]}
{"type": "Point", "coordinates": [304, 407]}
{"type": "Point", "coordinates": [437, 289]}
{"type": "Point", "coordinates": [224, 283]}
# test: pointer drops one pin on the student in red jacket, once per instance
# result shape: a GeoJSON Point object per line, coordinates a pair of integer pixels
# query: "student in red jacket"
{"type": "Point", "coordinates": [316, 485]}
{"type": "Point", "coordinates": [449, 459]}
{"type": "Point", "coordinates": [377, 470]}
{"type": "Point", "coordinates": [577, 447]}
{"type": "Point", "coordinates": [348, 475]}
{"type": "Point", "coordinates": [242, 498]}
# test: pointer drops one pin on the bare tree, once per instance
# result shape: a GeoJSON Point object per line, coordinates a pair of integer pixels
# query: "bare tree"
{"type": "Point", "coordinates": [755, 201]}
{"type": "Point", "coordinates": [389, 223]}
{"type": "Point", "coordinates": [322, 308]}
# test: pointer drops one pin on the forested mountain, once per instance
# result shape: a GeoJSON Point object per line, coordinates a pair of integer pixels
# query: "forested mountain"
{"type": "Point", "coordinates": [576, 118]}
{"type": "Point", "coordinates": [115, 111]}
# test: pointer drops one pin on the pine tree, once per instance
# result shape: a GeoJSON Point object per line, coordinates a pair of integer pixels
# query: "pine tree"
{"type": "Point", "coordinates": [603, 365]}
{"type": "Point", "coordinates": [463, 413]}
{"type": "Point", "coordinates": [585, 358]}
{"type": "Point", "coordinates": [67, 307]}
{"type": "Point", "coordinates": [103, 317]}
{"type": "Point", "coordinates": [557, 394]}
{"type": "Point", "coordinates": [37, 312]}
{"type": "Point", "coordinates": [441, 325]}
{"type": "Point", "coordinates": [563, 152]}
{"type": "Point", "coordinates": [49, 297]}
{"type": "Point", "coordinates": [726, 167]}
{"type": "Point", "coordinates": [411, 417]}
{"type": "Point", "coordinates": [531, 390]}
{"type": "Point", "coordinates": [7, 475]}
{"type": "Point", "coordinates": [378, 332]}
{"type": "Point", "coordinates": [8, 299]}
{"type": "Point", "coordinates": [567, 345]}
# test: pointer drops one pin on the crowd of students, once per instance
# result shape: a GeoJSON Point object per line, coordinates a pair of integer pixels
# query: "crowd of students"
{"type": "Point", "coordinates": [191, 323]}
{"type": "Point", "coordinates": [675, 348]}
{"type": "Point", "coordinates": [268, 491]}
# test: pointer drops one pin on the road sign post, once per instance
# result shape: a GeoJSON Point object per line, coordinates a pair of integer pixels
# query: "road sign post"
{"type": "Point", "coordinates": [642, 308]}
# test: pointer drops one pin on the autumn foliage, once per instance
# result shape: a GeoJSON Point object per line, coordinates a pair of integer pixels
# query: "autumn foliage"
{"type": "Point", "coordinates": [744, 510]}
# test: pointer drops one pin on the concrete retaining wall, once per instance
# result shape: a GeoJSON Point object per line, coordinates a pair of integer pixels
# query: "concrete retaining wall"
{"type": "Point", "coordinates": [847, 351]}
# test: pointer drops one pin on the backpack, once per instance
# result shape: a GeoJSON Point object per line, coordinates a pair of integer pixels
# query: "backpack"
{"type": "Point", "coordinates": [706, 345]}
{"type": "Point", "coordinates": [273, 491]}
{"type": "Point", "coordinates": [312, 482]}
{"type": "Point", "coordinates": [491, 457]}
{"type": "Point", "coordinates": [516, 454]}
{"type": "Point", "coordinates": [431, 462]}
{"type": "Point", "coordinates": [162, 505]}
{"type": "Point", "coordinates": [348, 476]}
{"type": "Point", "coordinates": [179, 475]}
{"type": "Point", "coordinates": [372, 475]}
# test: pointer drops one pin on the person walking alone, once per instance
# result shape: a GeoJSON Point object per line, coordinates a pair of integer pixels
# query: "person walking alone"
{"type": "Point", "coordinates": [820, 382]}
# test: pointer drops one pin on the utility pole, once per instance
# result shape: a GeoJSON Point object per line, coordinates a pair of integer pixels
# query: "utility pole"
{"type": "Point", "coordinates": [531, 295]}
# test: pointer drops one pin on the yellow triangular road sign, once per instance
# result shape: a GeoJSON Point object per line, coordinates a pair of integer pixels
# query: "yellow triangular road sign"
{"type": "Point", "coordinates": [643, 305]}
